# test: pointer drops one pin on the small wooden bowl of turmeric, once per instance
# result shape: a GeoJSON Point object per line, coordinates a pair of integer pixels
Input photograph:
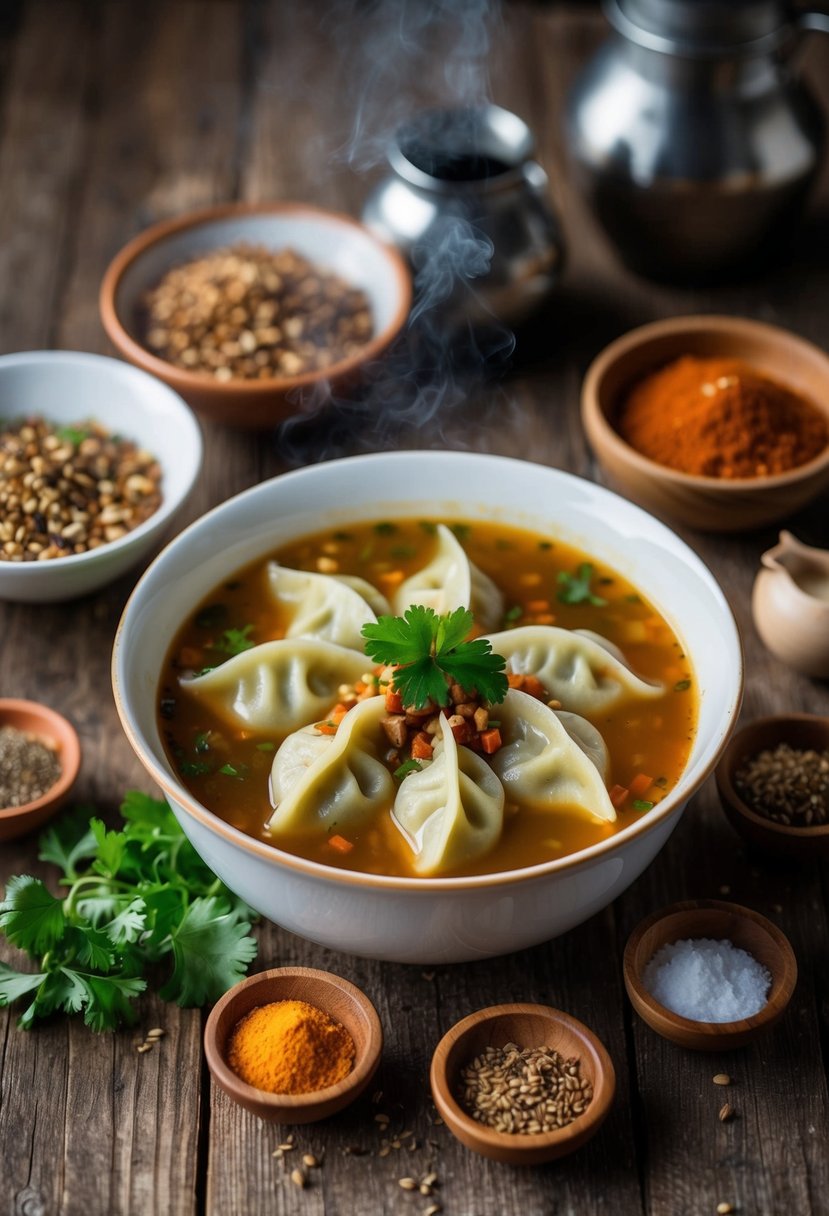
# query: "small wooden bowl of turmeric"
{"type": "Point", "coordinates": [719, 423]}
{"type": "Point", "coordinates": [293, 1045]}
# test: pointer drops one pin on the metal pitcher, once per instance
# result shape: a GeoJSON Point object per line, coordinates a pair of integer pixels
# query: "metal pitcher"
{"type": "Point", "coordinates": [469, 207]}
{"type": "Point", "coordinates": [693, 138]}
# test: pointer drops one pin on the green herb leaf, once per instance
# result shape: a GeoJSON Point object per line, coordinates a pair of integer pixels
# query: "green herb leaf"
{"type": "Point", "coordinates": [513, 614]}
{"type": "Point", "coordinates": [642, 804]}
{"type": "Point", "coordinates": [408, 766]}
{"type": "Point", "coordinates": [30, 916]}
{"type": "Point", "coordinates": [212, 952]}
{"type": "Point", "coordinates": [72, 434]}
{"type": "Point", "coordinates": [15, 984]}
{"type": "Point", "coordinates": [430, 653]}
{"type": "Point", "coordinates": [575, 588]}
{"type": "Point", "coordinates": [234, 641]}
{"type": "Point", "coordinates": [682, 685]}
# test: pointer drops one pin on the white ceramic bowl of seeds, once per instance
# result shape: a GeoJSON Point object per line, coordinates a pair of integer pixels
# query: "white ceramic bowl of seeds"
{"type": "Point", "coordinates": [96, 460]}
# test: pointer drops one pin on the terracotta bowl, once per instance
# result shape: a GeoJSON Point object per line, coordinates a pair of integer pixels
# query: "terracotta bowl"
{"type": "Point", "coordinates": [527, 1026]}
{"type": "Point", "coordinates": [338, 998]}
{"type": "Point", "coordinates": [53, 729]}
{"type": "Point", "coordinates": [721, 921]}
{"type": "Point", "coordinates": [709, 503]}
{"type": "Point", "coordinates": [802, 731]}
{"type": "Point", "coordinates": [334, 241]}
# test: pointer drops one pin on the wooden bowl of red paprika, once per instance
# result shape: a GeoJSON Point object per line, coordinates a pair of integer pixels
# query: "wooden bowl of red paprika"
{"type": "Point", "coordinates": [719, 423]}
{"type": "Point", "coordinates": [293, 1045]}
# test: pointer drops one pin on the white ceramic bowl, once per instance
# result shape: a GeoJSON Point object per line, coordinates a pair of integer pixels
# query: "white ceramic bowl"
{"type": "Point", "coordinates": [66, 387]}
{"type": "Point", "coordinates": [438, 919]}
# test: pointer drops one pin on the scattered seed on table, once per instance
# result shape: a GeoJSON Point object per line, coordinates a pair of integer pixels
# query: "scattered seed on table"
{"type": "Point", "coordinates": [432, 1209]}
{"type": "Point", "coordinates": [287, 1147]}
{"type": "Point", "coordinates": [310, 1160]}
{"type": "Point", "coordinates": [721, 1078]}
{"type": "Point", "coordinates": [298, 1178]}
{"type": "Point", "coordinates": [407, 1184]}
{"type": "Point", "coordinates": [142, 1047]}
{"type": "Point", "coordinates": [726, 1113]}
{"type": "Point", "coordinates": [155, 1033]}
{"type": "Point", "coordinates": [723, 1209]}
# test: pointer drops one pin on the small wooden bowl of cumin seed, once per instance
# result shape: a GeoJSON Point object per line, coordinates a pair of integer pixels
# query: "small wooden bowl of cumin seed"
{"type": "Point", "coordinates": [482, 1057]}
{"type": "Point", "coordinates": [40, 757]}
{"type": "Point", "coordinates": [773, 782]}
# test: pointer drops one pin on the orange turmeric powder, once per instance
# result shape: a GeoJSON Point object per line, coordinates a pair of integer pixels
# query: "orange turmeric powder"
{"type": "Point", "coordinates": [720, 418]}
{"type": "Point", "coordinates": [290, 1047]}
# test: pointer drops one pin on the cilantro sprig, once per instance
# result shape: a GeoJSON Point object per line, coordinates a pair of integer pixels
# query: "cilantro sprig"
{"type": "Point", "coordinates": [431, 652]}
{"type": "Point", "coordinates": [135, 898]}
{"type": "Point", "coordinates": [575, 588]}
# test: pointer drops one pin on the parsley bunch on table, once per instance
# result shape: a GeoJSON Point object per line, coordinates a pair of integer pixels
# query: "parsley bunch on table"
{"type": "Point", "coordinates": [135, 898]}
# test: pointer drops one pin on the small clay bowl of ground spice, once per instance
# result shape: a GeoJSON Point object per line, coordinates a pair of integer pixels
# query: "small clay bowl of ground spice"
{"type": "Point", "coordinates": [256, 312]}
{"type": "Point", "coordinates": [773, 780]}
{"type": "Point", "coordinates": [293, 1045]}
{"type": "Point", "coordinates": [556, 1077]}
{"type": "Point", "coordinates": [709, 975]}
{"type": "Point", "coordinates": [39, 761]}
{"type": "Point", "coordinates": [719, 423]}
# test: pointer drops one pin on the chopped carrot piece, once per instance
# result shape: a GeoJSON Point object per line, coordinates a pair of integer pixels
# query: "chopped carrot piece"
{"type": "Point", "coordinates": [391, 577]}
{"type": "Point", "coordinates": [189, 656]}
{"type": "Point", "coordinates": [326, 728]}
{"type": "Point", "coordinates": [545, 618]}
{"type": "Point", "coordinates": [538, 606]}
{"type": "Point", "coordinates": [421, 747]}
{"type": "Point", "coordinates": [534, 687]}
{"type": "Point", "coordinates": [394, 702]}
{"type": "Point", "coordinates": [359, 687]}
{"type": "Point", "coordinates": [618, 794]}
{"type": "Point", "coordinates": [640, 785]}
{"type": "Point", "coordinates": [490, 740]}
{"type": "Point", "coordinates": [515, 679]}
{"type": "Point", "coordinates": [340, 844]}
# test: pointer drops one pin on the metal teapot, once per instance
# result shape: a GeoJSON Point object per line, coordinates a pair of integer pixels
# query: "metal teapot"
{"type": "Point", "coordinates": [469, 207]}
{"type": "Point", "coordinates": [692, 137]}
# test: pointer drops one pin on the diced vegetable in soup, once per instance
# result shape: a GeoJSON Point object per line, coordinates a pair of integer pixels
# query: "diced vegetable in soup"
{"type": "Point", "coordinates": [417, 698]}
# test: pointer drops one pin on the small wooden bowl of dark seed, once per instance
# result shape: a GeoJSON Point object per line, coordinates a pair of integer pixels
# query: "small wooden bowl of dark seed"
{"type": "Point", "coordinates": [256, 312]}
{"type": "Point", "coordinates": [773, 780]}
{"type": "Point", "coordinates": [556, 1077]}
{"type": "Point", "coordinates": [39, 760]}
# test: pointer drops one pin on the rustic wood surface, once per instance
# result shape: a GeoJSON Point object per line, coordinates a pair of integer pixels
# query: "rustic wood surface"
{"type": "Point", "coordinates": [116, 114]}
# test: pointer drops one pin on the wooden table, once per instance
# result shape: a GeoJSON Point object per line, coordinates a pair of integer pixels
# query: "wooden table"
{"type": "Point", "coordinates": [114, 115]}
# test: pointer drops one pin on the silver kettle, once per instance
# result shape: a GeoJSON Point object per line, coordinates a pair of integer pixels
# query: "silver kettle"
{"type": "Point", "coordinates": [692, 137]}
{"type": "Point", "coordinates": [469, 207]}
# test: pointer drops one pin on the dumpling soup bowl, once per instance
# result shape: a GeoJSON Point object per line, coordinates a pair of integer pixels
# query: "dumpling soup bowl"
{"type": "Point", "coordinates": [438, 919]}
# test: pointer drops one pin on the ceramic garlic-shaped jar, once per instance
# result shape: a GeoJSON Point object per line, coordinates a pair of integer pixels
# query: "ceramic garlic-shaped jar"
{"type": "Point", "coordinates": [790, 604]}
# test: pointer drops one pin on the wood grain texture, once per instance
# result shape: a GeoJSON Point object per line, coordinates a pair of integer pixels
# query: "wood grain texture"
{"type": "Point", "coordinates": [114, 115]}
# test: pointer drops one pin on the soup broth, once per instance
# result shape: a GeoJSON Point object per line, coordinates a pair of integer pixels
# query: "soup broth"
{"type": "Point", "coordinates": [543, 582]}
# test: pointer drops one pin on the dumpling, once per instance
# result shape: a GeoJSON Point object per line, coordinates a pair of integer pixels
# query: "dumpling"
{"type": "Point", "coordinates": [588, 738]}
{"type": "Point", "coordinates": [334, 780]}
{"type": "Point", "coordinates": [375, 599]}
{"type": "Point", "coordinates": [452, 811]}
{"type": "Point", "coordinates": [450, 581]}
{"type": "Point", "coordinates": [320, 606]}
{"type": "Point", "coordinates": [541, 766]}
{"type": "Point", "coordinates": [574, 668]}
{"type": "Point", "coordinates": [277, 687]}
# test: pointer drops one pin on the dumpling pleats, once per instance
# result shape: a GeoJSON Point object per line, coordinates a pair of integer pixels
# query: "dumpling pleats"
{"type": "Point", "coordinates": [452, 811]}
{"type": "Point", "coordinates": [541, 766]}
{"type": "Point", "coordinates": [574, 668]}
{"type": "Point", "coordinates": [277, 687]}
{"type": "Point", "coordinates": [321, 606]}
{"type": "Point", "coordinates": [336, 781]}
{"type": "Point", "coordinates": [449, 581]}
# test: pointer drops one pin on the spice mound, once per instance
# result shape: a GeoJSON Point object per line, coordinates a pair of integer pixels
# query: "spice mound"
{"type": "Point", "coordinates": [290, 1047]}
{"type": "Point", "coordinates": [787, 785]}
{"type": "Point", "coordinates": [707, 981]}
{"type": "Point", "coordinates": [29, 767]}
{"type": "Point", "coordinates": [525, 1091]}
{"type": "Point", "coordinates": [247, 312]}
{"type": "Point", "coordinates": [721, 418]}
{"type": "Point", "coordinates": [68, 489]}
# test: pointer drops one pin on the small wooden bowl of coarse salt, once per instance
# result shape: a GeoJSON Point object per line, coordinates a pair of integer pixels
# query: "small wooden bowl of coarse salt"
{"type": "Point", "coordinates": [709, 975]}
{"type": "Point", "coordinates": [556, 1077]}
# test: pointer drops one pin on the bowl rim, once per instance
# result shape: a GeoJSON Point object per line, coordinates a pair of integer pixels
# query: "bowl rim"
{"type": "Point", "coordinates": [728, 792]}
{"type": "Point", "coordinates": [192, 382]}
{"type": "Point", "coordinates": [364, 1065]}
{"type": "Point", "coordinates": [168, 506]}
{"type": "Point", "coordinates": [69, 753]}
{"type": "Point", "coordinates": [779, 993]}
{"type": "Point", "coordinates": [596, 419]}
{"type": "Point", "coordinates": [524, 1143]}
{"type": "Point", "coordinates": [669, 806]}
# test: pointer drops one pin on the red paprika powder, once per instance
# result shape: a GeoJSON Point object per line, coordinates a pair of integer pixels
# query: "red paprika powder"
{"type": "Point", "coordinates": [721, 418]}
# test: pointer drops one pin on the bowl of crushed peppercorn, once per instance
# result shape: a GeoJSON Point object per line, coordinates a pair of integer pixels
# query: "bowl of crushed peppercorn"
{"type": "Point", "coordinates": [720, 423]}
{"type": "Point", "coordinates": [39, 761]}
{"type": "Point", "coordinates": [96, 460]}
{"type": "Point", "coordinates": [293, 1044]}
{"type": "Point", "coordinates": [251, 311]}
{"type": "Point", "coordinates": [773, 781]}
{"type": "Point", "coordinates": [522, 1083]}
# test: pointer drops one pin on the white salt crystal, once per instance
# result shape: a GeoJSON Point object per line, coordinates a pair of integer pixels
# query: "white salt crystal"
{"type": "Point", "coordinates": [707, 981]}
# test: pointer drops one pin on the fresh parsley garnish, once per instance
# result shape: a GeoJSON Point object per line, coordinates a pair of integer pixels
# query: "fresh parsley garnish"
{"type": "Point", "coordinates": [431, 652]}
{"type": "Point", "coordinates": [513, 614]}
{"type": "Point", "coordinates": [575, 588]}
{"type": "Point", "coordinates": [234, 641]}
{"type": "Point", "coordinates": [135, 898]}
{"type": "Point", "coordinates": [408, 766]}
{"type": "Point", "coordinates": [642, 804]}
